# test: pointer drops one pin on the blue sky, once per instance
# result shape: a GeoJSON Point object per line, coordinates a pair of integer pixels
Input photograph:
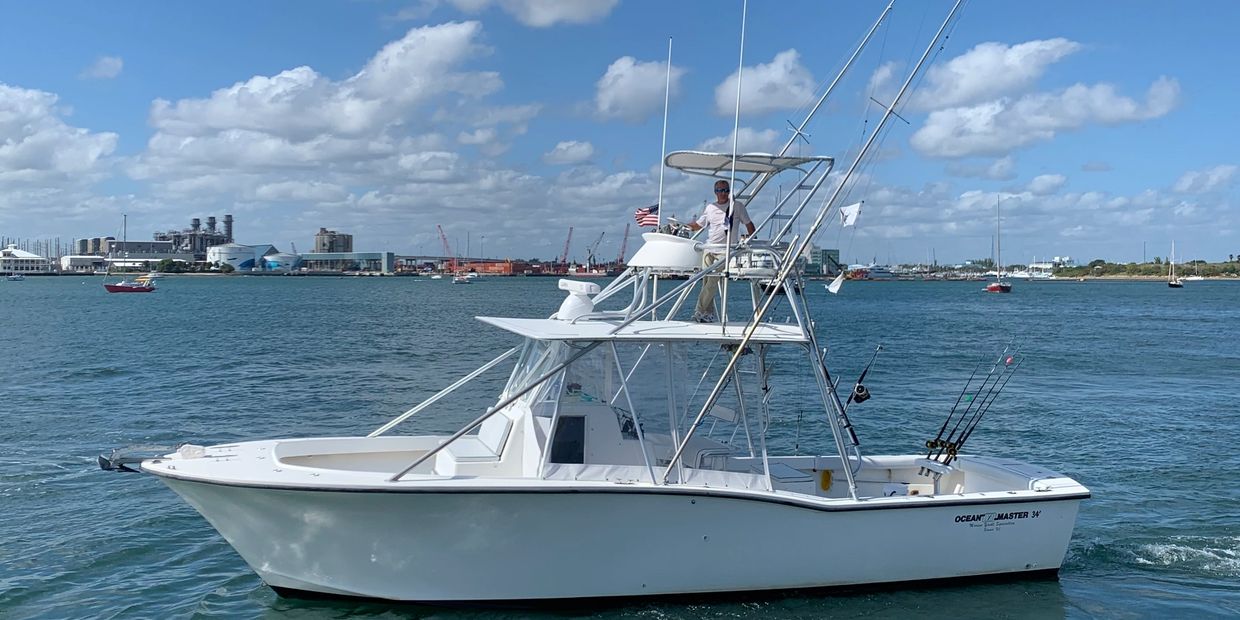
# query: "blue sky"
{"type": "Point", "coordinates": [1104, 128]}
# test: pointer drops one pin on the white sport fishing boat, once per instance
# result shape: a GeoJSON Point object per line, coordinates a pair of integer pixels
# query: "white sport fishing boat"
{"type": "Point", "coordinates": [627, 456]}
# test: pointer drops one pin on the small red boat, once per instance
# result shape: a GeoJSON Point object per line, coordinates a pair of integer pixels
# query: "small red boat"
{"type": "Point", "coordinates": [998, 287]}
{"type": "Point", "coordinates": [141, 284]}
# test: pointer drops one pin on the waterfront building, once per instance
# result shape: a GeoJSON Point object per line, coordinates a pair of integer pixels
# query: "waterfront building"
{"type": "Point", "coordinates": [379, 262]}
{"type": "Point", "coordinates": [824, 262]}
{"type": "Point", "coordinates": [240, 257]}
{"type": "Point", "coordinates": [82, 263]}
{"type": "Point", "coordinates": [13, 261]}
{"type": "Point", "coordinates": [280, 261]}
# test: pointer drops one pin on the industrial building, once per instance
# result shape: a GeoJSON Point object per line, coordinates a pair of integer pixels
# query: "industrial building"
{"type": "Point", "coordinates": [195, 240]}
{"type": "Point", "coordinates": [380, 262]}
{"type": "Point", "coordinates": [330, 241]}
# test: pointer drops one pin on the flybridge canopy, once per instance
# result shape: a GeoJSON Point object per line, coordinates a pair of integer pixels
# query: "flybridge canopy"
{"type": "Point", "coordinates": [645, 331]}
{"type": "Point", "coordinates": [720, 164]}
{"type": "Point", "coordinates": [751, 168]}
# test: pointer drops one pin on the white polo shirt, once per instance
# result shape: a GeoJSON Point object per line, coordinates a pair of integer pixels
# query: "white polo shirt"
{"type": "Point", "coordinates": [716, 217]}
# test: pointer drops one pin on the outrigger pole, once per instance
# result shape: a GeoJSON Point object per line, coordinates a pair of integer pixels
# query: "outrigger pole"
{"type": "Point", "coordinates": [763, 178]}
{"type": "Point", "coordinates": [736, 128]}
{"type": "Point", "coordinates": [786, 268]}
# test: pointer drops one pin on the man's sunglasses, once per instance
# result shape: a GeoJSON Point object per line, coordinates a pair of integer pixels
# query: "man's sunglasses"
{"type": "Point", "coordinates": [722, 190]}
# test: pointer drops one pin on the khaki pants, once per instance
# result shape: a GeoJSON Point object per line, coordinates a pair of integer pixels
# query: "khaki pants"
{"type": "Point", "coordinates": [710, 288]}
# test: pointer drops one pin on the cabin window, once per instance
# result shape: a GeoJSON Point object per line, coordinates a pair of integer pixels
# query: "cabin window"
{"type": "Point", "coordinates": [568, 444]}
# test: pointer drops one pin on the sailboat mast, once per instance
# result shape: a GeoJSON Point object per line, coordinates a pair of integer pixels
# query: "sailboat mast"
{"type": "Point", "coordinates": [998, 241]}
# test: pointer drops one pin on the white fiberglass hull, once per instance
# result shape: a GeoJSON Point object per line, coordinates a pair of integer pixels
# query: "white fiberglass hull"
{"type": "Point", "coordinates": [509, 544]}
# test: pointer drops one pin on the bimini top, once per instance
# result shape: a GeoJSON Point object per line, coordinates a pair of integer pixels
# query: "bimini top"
{"type": "Point", "coordinates": [716, 164]}
{"type": "Point", "coordinates": [643, 331]}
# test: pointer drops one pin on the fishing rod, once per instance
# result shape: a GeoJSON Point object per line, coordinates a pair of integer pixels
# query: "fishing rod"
{"type": "Point", "coordinates": [859, 393]}
{"type": "Point", "coordinates": [947, 444]}
{"type": "Point", "coordinates": [967, 421]}
{"type": "Point", "coordinates": [973, 425]}
{"type": "Point", "coordinates": [941, 442]}
{"type": "Point", "coordinates": [938, 439]}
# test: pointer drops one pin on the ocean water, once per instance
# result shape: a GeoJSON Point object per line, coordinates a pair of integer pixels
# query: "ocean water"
{"type": "Point", "coordinates": [1130, 387]}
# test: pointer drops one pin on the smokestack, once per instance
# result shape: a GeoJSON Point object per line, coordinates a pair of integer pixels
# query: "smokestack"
{"type": "Point", "coordinates": [211, 224]}
{"type": "Point", "coordinates": [228, 227]}
{"type": "Point", "coordinates": [195, 224]}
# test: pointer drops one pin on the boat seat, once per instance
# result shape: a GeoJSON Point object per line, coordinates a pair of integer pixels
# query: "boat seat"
{"type": "Point", "coordinates": [487, 445]}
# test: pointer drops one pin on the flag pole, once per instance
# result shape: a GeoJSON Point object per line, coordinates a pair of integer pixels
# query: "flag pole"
{"type": "Point", "coordinates": [667, 97]}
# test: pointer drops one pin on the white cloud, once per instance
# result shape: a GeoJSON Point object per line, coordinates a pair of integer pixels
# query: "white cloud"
{"type": "Point", "coordinates": [356, 131]}
{"type": "Point", "coordinates": [37, 148]}
{"type": "Point", "coordinates": [104, 68]}
{"type": "Point", "coordinates": [299, 104]}
{"type": "Point", "coordinates": [990, 70]}
{"type": "Point", "coordinates": [298, 191]}
{"type": "Point", "coordinates": [1001, 169]}
{"type": "Point", "coordinates": [1046, 184]}
{"type": "Point", "coordinates": [632, 90]}
{"type": "Point", "coordinates": [570, 152]}
{"type": "Point", "coordinates": [782, 84]}
{"type": "Point", "coordinates": [1208, 180]}
{"type": "Point", "coordinates": [544, 13]}
{"type": "Point", "coordinates": [749, 141]}
{"type": "Point", "coordinates": [482, 135]}
{"type": "Point", "coordinates": [999, 126]}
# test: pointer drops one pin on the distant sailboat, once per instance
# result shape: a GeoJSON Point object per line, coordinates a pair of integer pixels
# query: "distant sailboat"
{"type": "Point", "coordinates": [141, 284]}
{"type": "Point", "coordinates": [1172, 280]}
{"type": "Point", "coordinates": [999, 285]}
{"type": "Point", "coordinates": [1196, 277]}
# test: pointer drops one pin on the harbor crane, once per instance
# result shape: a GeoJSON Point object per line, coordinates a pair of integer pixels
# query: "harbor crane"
{"type": "Point", "coordinates": [447, 249]}
{"type": "Point", "coordinates": [592, 250]}
{"type": "Point", "coordinates": [564, 256]}
{"type": "Point", "coordinates": [624, 246]}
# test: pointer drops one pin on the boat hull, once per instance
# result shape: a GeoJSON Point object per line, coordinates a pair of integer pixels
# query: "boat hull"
{"type": "Point", "coordinates": [507, 545]}
{"type": "Point", "coordinates": [998, 287]}
{"type": "Point", "coordinates": [121, 288]}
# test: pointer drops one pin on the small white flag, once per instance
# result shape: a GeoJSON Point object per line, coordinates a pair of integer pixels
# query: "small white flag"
{"type": "Point", "coordinates": [848, 214]}
{"type": "Point", "coordinates": [834, 286]}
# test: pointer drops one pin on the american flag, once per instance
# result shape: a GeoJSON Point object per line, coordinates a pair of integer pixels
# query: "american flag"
{"type": "Point", "coordinates": [647, 216]}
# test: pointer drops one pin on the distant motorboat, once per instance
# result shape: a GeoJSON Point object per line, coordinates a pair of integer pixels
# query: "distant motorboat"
{"type": "Point", "coordinates": [871, 272]}
{"type": "Point", "coordinates": [462, 279]}
{"type": "Point", "coordinates": [15, 277]}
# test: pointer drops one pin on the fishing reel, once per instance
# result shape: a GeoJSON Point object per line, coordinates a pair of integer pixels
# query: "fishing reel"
{"type": "Point", "coordinates": [860, 394]}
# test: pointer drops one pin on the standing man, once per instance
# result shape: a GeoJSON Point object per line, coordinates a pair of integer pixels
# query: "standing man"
{"type": "Point", "coordinates": [722, 231]}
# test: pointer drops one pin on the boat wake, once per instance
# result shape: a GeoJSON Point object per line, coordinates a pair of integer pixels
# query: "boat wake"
{"type": "Point", "coordinates": [1199, 554]}
{"type": "Point", "coordinates": [1212, 556]}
